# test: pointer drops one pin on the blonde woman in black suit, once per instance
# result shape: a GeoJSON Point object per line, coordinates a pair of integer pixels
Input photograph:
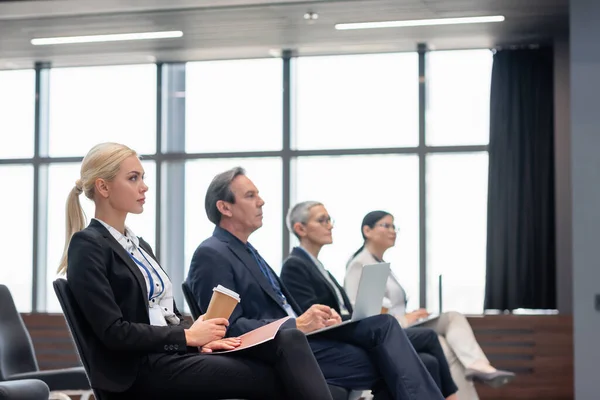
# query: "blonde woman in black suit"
{"type": "Point", "coordinates": [145, 348]}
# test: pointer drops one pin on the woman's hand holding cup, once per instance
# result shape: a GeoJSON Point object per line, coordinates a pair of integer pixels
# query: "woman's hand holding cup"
{"type": "Point", "coordinates": [203, 332]}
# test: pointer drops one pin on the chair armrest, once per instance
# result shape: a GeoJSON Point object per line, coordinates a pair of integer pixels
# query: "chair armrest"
{"type": "Point", "coordinates": [27, 389]}
{"type": "Point", "coordinates": [58, 379]}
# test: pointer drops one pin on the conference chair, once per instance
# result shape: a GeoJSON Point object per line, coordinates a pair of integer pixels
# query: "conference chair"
{"type": "Point", "coordinates": [17, 355]}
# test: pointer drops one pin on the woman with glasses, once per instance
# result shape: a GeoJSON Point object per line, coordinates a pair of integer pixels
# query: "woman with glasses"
{"type": "Point", "coordinates": [467, 361]}
{"type": "Point", "coordinates": [310, 283]}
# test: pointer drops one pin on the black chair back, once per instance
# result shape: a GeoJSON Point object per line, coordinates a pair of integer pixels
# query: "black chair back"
{"type": "Point", "coordinates": [80, 330]}
{"type": "Point", "coordinates": [16, 348]}
{"type": "Point", "coordinates": [189, 298]}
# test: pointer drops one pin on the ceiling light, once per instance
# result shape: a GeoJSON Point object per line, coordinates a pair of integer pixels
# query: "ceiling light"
{"type": "Point", "coordinates": [419, 22]}
{"type": "Point", "coordinates": [311, 16]}
{"type": "Point", "coordinates": [106, 38]}
{"type": "Point", "coordinates": [275, 53]}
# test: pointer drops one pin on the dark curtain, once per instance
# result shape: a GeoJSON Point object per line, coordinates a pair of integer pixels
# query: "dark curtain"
{"type": "Point", "coordinates": [521, 262]}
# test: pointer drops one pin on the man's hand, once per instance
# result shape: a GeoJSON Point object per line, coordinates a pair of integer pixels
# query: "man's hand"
{"type": "Point", "coordinates": [223, 344]}
{"type": "Point", "coordinates": [316, 317]}
{"type": "Point", "coordinates": [335, 318]}
{"type": "Point", "coordinates": [416, 315]}
{"type": "Point", "coordinates": [203, 332]}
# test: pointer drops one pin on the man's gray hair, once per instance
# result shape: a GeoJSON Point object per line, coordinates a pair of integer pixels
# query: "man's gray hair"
{"type": "Point", "coordinates": [300, 213]}
{"type": "Point", "coordinates": [220, 189]}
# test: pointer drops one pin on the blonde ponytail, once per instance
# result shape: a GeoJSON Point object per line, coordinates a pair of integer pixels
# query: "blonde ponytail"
{"type": "Point", "coordinates": [103, 161]}
{"type": "Point", "coordinates": [75, 221]}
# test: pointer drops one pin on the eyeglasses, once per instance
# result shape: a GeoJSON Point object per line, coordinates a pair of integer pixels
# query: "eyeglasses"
{"type": "Point", "coordinates": [389, 226]}
{"type": "Point", "coordinates": [325, 221]}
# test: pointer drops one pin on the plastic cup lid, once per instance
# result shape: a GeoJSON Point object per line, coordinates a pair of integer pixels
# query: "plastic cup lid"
{"type": "Point", "coordinates": [228, 292]}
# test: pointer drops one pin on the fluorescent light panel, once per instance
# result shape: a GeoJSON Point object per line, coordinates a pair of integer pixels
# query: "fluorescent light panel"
{"type": "Point", "coordinates": [106, 38]}
{"type": "Point", "coordinates": [419, 22]}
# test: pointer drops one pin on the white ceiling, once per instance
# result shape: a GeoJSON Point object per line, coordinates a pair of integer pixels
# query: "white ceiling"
{"type": "Point", "coordinates": [218, 29]}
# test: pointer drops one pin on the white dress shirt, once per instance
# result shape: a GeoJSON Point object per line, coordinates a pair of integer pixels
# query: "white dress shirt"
{"type": "Point", "coordinates": [395, 297]}
{"type": "Point", "coordinates": [160, 303]}
{"type": "Point", "coordinates": [394, 292]}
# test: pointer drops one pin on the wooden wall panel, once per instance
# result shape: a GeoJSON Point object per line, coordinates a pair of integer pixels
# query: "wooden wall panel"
{"type": "Point", "coordinates": [538, 348]}
{"type": "Point", "coordinates": [52, 341]}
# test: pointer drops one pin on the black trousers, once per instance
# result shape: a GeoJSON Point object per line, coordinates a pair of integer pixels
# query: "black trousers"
{"type": "Point", "coordinates": [426, 343]}
{"type": "Point", "coordinates": [283, 368]}
{"type": "Point", "coordinates": [375, 354]}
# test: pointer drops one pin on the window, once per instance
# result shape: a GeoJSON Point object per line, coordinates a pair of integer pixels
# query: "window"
{"type": "Point", "coordinates": [16, 234]}
{"type": "Point", "coordinates": [457, 114]}
{"type": "Point", "coordinates": [456, 229]}
{"type": "Point", "coordinates": [347, 113]}
{"type": "Point", "coordinates": [61, 179]}
{"type": "Point", "coordinates": [90, 105]}
{"type": "Point", "coordinates": [17, 109]}
{"type": "Point", "coordinates": [357, 101]}
{"type": "Point", "coordinates": [234, 106]}
{"type": "Point", "coordinates": [266, 175]}
{"type": "Point", "coordinates": [458, 97]}
{"type": "Point", "coordinates": [352, 186]}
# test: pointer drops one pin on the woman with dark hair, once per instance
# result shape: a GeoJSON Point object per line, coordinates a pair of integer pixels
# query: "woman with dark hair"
{"type": "Point", "coordinates": [465, 356]}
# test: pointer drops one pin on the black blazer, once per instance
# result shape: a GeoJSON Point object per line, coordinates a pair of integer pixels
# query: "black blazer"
{"type": "Point", "coordinates": [111, 292]}
{"type": "Point", "coordinates": [308, 285]}
{"type": "Point", "coordinates": [224, 260]}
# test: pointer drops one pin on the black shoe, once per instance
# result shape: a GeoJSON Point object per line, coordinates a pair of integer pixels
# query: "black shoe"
{"type": "Point", "coordinates": [493, 379]}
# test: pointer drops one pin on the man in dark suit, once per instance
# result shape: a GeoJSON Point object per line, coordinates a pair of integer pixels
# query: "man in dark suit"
{"type": "Point", "coordinates": [370, 354]}
{"type": "Point", "coordinates": [310, 283]}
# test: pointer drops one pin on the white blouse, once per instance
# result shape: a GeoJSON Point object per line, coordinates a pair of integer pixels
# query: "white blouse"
{"type": "Point", "coordinates": [394, 298]}
{"type": "Point", "coordinates": [160, 302]}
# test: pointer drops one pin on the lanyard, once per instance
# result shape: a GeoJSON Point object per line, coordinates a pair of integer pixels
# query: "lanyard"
{"type": "Point", "coordinates": [149, 275]}
{"type": "Point", "coordinates": [266, 272]}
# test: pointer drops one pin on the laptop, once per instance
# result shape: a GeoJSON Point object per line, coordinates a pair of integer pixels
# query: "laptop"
{"type": "Point", "coordinates": [433, 315]}
{"type": "Point", "coordinates": [371, 289]}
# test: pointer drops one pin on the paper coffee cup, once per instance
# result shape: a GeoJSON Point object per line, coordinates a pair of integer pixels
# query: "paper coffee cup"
{"type": "Point", "coordinates": [222, 303]}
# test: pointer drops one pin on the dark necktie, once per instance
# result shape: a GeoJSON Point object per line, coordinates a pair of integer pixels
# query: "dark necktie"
{"type": "Point", "coordinates": [264, 268]}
